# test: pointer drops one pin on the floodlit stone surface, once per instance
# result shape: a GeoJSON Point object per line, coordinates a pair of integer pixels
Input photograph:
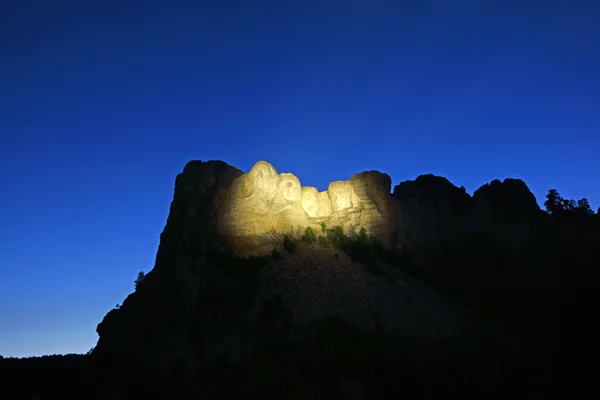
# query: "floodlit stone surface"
{"type": "Point", "coordinates": [263, 202]}
{"type": "Point", "coordinates": [197, 303]}
{"type": "Point", "coordinates": [253, 210]}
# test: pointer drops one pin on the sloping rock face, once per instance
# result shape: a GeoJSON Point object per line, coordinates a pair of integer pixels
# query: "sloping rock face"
{"type": "Point", "coordinates": [315, 284]}
{"type": "Point", "coordinates": [200, 191]}
{"type": "Point", "coordinates": [193, 302]}
{"type": "Point", "coordinates": [153, 324]}
{"type": "Point", "coordinates": [217, 206]}
{"type": "Point", "coordinates": [262, 203]}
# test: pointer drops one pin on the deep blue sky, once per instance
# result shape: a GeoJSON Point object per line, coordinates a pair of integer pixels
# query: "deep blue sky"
{"type": "Point", "coordinates": [103, 102]}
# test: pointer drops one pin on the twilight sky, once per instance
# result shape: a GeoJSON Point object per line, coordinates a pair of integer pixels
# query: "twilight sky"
{"type": "Point", "coordinates": [103, 102]}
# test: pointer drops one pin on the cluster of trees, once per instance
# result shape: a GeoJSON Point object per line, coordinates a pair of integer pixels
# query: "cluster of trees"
{"type": "Point", "coordinates": [140, 278]}
{"type": "Point", "coordinates": [336, 236]}
{"type": "Point", "coordinates": [558, 206]}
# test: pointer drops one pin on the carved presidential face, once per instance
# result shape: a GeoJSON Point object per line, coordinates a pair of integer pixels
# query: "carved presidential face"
{"type": "Point", "coordinates": [264, 180]}
{"type": "Point", "coordinates": [290, 188]}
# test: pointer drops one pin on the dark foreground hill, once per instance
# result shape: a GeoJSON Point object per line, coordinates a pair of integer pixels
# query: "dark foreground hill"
{"type": "Point", "coordinates": [263, 287]}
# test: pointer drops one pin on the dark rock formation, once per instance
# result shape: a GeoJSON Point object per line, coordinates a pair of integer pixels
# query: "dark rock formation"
{"type": "Point", "coordinates": [434, 194]}
{"type": "Point", "coordinates": [202, 308]}
{"type": "Point", "coordinates": [436, 206]}
{"type": "Point", "coordinates": [193, 287]}
{"type": "Point", "coordinates": [511, 197]}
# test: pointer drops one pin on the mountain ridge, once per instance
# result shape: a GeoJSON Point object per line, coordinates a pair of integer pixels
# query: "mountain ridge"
{"type": "Point", "coordinates": [218, 212]}
{"type": "Point", "coordinates": [264, 287]}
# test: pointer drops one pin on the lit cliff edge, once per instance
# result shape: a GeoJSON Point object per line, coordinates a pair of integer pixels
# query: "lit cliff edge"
{"type": "Point", "coordinates": [263, 204]}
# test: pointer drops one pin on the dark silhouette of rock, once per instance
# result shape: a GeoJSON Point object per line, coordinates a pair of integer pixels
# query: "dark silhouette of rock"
{"type": "Point", "coordinates": [201, 303]}
{"type": "Point", "coordinates": [194, 288]}
{"type": "Point", "coordinates": [393, 295]}
{"type": "Point", "coordinates": [511, 197]}
{"type": "Point", "coordinates": [434, 193]}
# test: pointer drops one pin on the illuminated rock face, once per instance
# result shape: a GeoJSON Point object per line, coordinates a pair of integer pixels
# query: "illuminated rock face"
{"type": "Point", "coordinates": [263, 203]}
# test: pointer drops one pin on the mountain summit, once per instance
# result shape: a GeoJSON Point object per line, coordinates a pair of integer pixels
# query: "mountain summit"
{"type": "Point", "coordinates": [263, 286]}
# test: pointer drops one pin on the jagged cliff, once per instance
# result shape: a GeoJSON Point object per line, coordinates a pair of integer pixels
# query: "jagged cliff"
{"type": "Point", "coordinates": [253, 210]}
{"type": "Point", "coordinates": [199, 303]}
{"type": "Point", "coordinates": [345, 318]}
{"type": "Point", "coordinates": [263, 203]}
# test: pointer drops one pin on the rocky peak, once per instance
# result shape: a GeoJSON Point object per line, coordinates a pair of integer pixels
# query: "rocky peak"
{"type": "Point", "coordinates": [435, 193]}
{"type": "Point", "coordinates": [198, 302]}
{"type": "Point", "coordinates": [252, 210]}
{"type": "Point", "coordinates": [511, 196]}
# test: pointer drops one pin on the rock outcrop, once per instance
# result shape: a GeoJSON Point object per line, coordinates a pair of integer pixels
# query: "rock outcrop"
{"type": "Point", "coordinates": [344, 318]}
{"type": "Point", "coordinates": [434, 193]}
{"type": "Point", "coordinates": [512, 197]}
{"type": "Point", "coordinates": [253, 210]}
{"type": "Point", "coordinates": [434, 205]}
{"type": "Point", "coordinates": [261, 204]}
{"type": "Point", "coordinates": [196, 301]}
